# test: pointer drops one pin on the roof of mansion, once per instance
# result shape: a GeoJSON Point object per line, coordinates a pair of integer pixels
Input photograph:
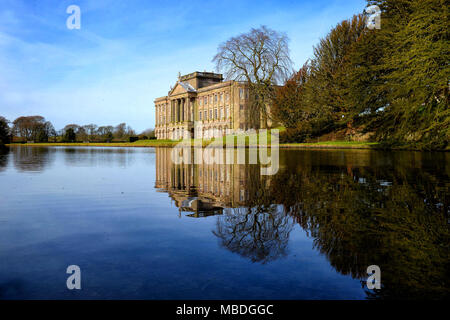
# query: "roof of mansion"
{"type": "Point", "coordinates": [197, 82]}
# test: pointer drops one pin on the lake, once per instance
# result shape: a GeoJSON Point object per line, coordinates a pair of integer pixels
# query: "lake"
{"type": "Point", "coordinates": [142, 227]}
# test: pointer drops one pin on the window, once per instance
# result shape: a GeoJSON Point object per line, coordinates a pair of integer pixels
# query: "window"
{"type": "Point", "coordinates": [241, 93]}
{"type": "Point", "coordinates": [221, 113]}
{"type": "Point", "coordinates": [206, 115]}
{"type": "Point", "coordinates": [215, 113]}
{"type": "Point", "coordinates": [210, 114]}
{"type": "Point", "coordinates": [221, 97]}
{"type": "Point", "coordinates": [205, 101]}
{"type": "Point", "coordinates": [210, 99]}
{"type": "Point", "coordinates": [200, 115]}
{"type": "Point", "coordinates": [226, 113]}
{"type": "Point", "coordinates": [241, 107]}
{"type": "Point", "coordinates": [215, 98]}
{"type": "Point", "coordinates": [227, 97]}
{"type": "Point", "coordinates": [200, 102]}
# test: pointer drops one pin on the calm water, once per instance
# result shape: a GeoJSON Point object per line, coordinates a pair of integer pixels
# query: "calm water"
{"type": "Point", "coordinates": [141, 227]}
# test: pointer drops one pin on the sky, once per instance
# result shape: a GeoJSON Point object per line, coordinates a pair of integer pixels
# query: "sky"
{"type": "Point", "coordinates": [127, 53]}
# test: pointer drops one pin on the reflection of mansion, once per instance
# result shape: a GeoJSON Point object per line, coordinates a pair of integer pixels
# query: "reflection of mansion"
{"type": "Point", "coordinates": [204, 189]}
{"type": "Point", "coordinates": [201, 105]}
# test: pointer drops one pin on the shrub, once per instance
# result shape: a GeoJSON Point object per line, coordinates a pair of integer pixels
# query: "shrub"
{"type": "Point", "coordinates": [133, 139]}
{"type": "Point", "coordinates": [299, 134]}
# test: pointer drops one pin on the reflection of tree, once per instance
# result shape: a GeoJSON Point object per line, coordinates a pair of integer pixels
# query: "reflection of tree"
{"type": "Point", "coordinates": [360, 207]}
{"type": "Point", "coordinates": [3, 158]}
{"type": "Point", "coordinates": [121, 157]}
{"type": "Point", "coordinates": [395, 217]}
{"type": "Point", "coordinates": [260, 235]}
{"type": "Point", "coordinates": [32, 158]}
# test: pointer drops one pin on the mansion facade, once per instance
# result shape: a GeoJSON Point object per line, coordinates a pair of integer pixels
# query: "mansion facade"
{"type": "Point", "coordinates": [201, 105]}
{"type": "Point", "coordinates": [208, 189]}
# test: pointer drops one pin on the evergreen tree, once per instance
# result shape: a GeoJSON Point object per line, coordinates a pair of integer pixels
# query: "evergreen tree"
{"type": "Point", "coordinates": [327, 88]}
{"type": "Point", "coordinates": [4, 131]}
{"type": "Point", "coordinates": [416, 60]}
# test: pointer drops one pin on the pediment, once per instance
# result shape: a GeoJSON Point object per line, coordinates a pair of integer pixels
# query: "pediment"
{"type": "Point", "coordinates": [180, 88]}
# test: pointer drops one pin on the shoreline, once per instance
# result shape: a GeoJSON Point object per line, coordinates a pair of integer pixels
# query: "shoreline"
{"type": "Point", "coordinates": [171, 144]}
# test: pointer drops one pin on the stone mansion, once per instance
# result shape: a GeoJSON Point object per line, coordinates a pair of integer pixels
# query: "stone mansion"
{"type": "Point", "coordinates": [200, 105]}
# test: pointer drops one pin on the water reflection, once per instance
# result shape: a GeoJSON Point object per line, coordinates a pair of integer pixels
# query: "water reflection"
{"type": "Point", "coordinates": [33, 159]}
{"type": "Point", "coordinates": [260, 234]}
{"type": "Point", "coordinates": [251, 235]}
{"type": "Point", "coordinates": [97, 156]}
{"type": "Point", "coordinates": [38, 159]}
{"type": "Point", "coordinates": [360, 207]}
{"type": "Point", "coordinates": [3, 158]}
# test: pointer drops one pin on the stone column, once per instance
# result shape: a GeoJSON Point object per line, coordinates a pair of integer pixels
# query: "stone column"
{"type": "Point", "coordinates": [191, 109]}
{"type": "Point", "coordinates": [183, 109]}
{"type": "Point", "coordinates": [175, 110]}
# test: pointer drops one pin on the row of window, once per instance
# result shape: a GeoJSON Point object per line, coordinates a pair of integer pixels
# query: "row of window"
{"type": "Point", "coordinates": [220, 97]}
{"type": "Point", "coordinates": [205, 101]}
{"type": "Point", "coordinates": [224, 114]}
{"type": "Point", "coordinates": [243, 93]}
{"type": "Point", "coordinates": [214, 99]}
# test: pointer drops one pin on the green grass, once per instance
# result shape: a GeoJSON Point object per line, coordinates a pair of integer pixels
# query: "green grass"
{"type": "Point", "coordinates": [217, 141]}
{"type": "Point", "coordinates": [139, 143]}
{"type": "Point", "coordinates": [334, 144]}
{"type": "Point", "coordinates": [170, 143]}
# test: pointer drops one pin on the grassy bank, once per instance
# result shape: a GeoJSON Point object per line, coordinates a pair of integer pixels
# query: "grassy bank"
{"type": "Point", "coordinates": [139, 143]}
{"type": "Point", "coordinates": [170, 143]}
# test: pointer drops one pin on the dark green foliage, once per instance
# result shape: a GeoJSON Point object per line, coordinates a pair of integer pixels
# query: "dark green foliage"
{"type": "Point", "coordinates": [4, 131]}
{"type": "Point", "coordinates": [416, 74]}
{"type": "Point", "coordinates": [70, 135]}
{"type": "Point", "coordinates": [133, 139]}
{"type": "Point", "coordinates": [291, 135]}
{"type": "Point", "coordinates": [42, 136]}
{"type": "Point", "coordinates": [109, 136]}
{"type": "Point", "coordinates": [326, 88]}
{"type": "Point", "coordinates": [392, 81]}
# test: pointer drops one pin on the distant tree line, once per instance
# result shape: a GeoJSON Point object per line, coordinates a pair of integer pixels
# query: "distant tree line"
{"type": "Point", "coordinates": [391, 82]}
{"type": "Point", "coordinates": [38, 129]}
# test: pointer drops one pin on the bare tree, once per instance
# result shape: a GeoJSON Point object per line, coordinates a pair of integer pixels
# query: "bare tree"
{"type": "Point", "coordinates": [259, 57]}
{"type": "Point", "coordinates": [120, 130]}
{"type": "Point", "coordinates": [91, 129]}
{"type": "Point", "coordinates": [29, 128]}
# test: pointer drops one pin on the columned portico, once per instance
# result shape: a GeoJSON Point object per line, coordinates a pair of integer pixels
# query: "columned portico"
{"type": "Point", "coordinates": [200, 98]}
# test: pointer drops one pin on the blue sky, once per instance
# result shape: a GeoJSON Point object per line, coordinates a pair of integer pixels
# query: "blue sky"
{"type": "Point", "coordinates": [127, 53]}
